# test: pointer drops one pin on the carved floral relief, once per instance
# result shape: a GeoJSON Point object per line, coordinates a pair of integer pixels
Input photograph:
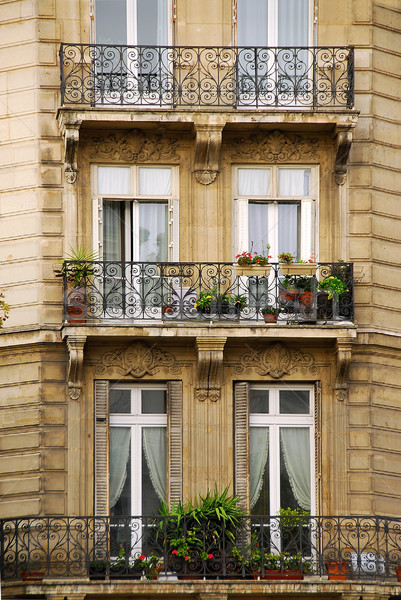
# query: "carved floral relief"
{"type": "Point", "coordinates": [137, 359]}
{"type": "Point", "coordinates": [275, 147]}
{"type": "Point", "coordinates": [135, 146]}
{"type": "Point", "coordinates": [276, 360]}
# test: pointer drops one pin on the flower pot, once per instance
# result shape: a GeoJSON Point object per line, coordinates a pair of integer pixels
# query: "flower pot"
{"type": "Point", "coordinates": [337, 570]}
{"type": "Point", "coordinates": [398, 573]}
{"type": "Point", "coordinates": [289, 295]}
{"type": "Point", "coordinates": [307, 299]}
{"type": "Point", "coordinates": [33, 575]}
{"type": "Point", "coordinates": [270, 318]}
{"type": "Point", "coordinates": [272, 574]}
{"type": "Point", "coordinates": [76, 305]}
{"type": "Point", "coordinates": [298, 268]}
{"type": "Point", "coordinates": [252, 270]}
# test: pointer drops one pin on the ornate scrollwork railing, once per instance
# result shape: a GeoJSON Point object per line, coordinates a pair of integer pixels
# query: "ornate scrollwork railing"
{"type": "Point", "coordinates": [366, 548]}
{"type": "Point", "coordinates": [169, 77]}
{"type": "Point", "coordinates": [172, 292]}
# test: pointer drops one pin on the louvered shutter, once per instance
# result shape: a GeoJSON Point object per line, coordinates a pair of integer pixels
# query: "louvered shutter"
{"type": "Point", "coordinates": [101, 470]}
{"type": "Point", "coordinates": [174, 230]}
{"type": "Point", "coordinates": [318, 448]}
{"type": "Point", "coordinates": [174, 411]}
{"type": "Point", "coordinates": [307, 228]}
{"type": "Point", "coordinates": [241, 243]}
{"type": "Point", "coordinates": [97, 226]}
{"type": "Point", "coordinates": [241, 442]}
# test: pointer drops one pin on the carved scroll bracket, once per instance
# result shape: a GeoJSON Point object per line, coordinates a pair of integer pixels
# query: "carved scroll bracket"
{"type": "Point", "coordinates": [75, 345]}
{"type": "Point", "coordinates": [343, 358]}
{"type": "Point", "coordinates": [210, 367]}
{"type": "Point", "coordinates": [343, 146]}
{"type": "Point", "coordinates": [71, 139]}
{"type": "Point", "coordinates": [207, 152]}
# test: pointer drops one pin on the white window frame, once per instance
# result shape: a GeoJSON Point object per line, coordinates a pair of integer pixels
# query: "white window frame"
{"type": "Point", "coordinates": [137, 421]}
{"type": "Point", "coordinates": [134, 197]}
{"type": "Point", "coordinates": [308, 242]}
{"type": "Point", "coordinates": [274, 421]}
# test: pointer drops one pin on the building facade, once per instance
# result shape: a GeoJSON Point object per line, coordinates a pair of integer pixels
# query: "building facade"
{"type": "Point", "coordinates": [148, 143]}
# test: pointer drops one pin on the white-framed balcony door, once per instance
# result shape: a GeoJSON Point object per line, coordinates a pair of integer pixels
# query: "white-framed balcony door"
{"type": "Point", "coordinates": [134, 65]}
{"type": "Point", "coordinates": [272, 67]}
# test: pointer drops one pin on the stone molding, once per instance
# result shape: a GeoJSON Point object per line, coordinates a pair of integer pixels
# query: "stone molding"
{"type": "Point", "coordinates": [276, 360]}
{"type": "Point", "coordinates": [137, 360]}
{"type": "Point", "coordinates": [207, 152]}
{"type": "Point", "coordinates": [343, 146]}
{"type": "Point", "coordinates": [275, 147]}
{"type": "Point", "coordinates": [343, 360]}
{"type": "Point", "coordinates": [135, 146]}
{"type": "Point", "coordinates": [210, 367]}
{"type": "Point", "coordinates": [75, 345]}
{"type": "Point", "coordinates": [71, 140]}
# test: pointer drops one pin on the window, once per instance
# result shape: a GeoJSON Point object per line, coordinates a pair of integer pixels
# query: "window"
{"type": "Point", "coordinates": [138, 421]}
{"type": "Point", "coordinates": [136, 214]}
{"type": "Point", "coordinates": [274, 446]}
{"type": "Point", "coordinates": [275, 205]}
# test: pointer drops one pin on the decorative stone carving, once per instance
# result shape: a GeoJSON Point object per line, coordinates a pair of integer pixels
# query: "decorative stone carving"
{"type": "Point", "coordinates": [210, 368]}
{"type": "Point", "coordinates": [135, 146]}
{"type": "Point", "coordinates": [137, 359]}
{"type": "Point", "coordinates": [275, 147]}
{"type": "Point", "coordinates": [276, 360]}
{"type": "Point", "coordinates": [343, 356]}
{"type": "Point", "coordinates": [207, 152]}
{"type": "Point", "coordinates": [75, 345]}
{"type": "Point", "coordinates": [344, 141]}
{"type": "Point", "coordinates": [71, 139]}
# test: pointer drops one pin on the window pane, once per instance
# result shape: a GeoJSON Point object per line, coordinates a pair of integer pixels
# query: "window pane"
{"type": "Point", "coordinates": [254, 182]}
{"type": "Point", "coordinates": [294, 182]}
{"type": "Point", "coordinates": [120, 471]}
{"type": "Point", "coordinates": [252, 23]}
{"type": "Point", "coordinates": [259, 470]}
{"type": "Point", "coordinates": [113, 180]}
{"type": "Point", "coordinates": [153, 468]}
{"type": "Point", "coordinates": [154, 402]}
{"type": "Point", "coordinates": [111, 23]}
{"type": "Point", "coordinates": [155, 182]}
{"type": "Point", "coordinates": [295, 484]}
{"type": "Point", "coordinates": [153, 231]}
{"type": "Point", "coordinates": [288, 227]}
{"type": "Point", "coordinates": [113, 219]}
{"type": "Point", "coordinates": [258, 401]}
{"type": "Point", "coordinates": [293, 22]}
{"type": "Point", "coordinates": [152, 22]}
{"type": "Point", "coordinates": [258, 226]}
{"type": "Point", "coordinates": [294, 402]}
{"type": "Point", "coordinates": [120, 401]}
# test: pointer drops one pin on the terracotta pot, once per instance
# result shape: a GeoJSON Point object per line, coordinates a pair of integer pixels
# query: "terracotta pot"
{"type": "Point", "coordinates": [307, 299]}
{"type": "Point", "coordinates": [295, 574]}
{"type": "Point", "coordinates": [337, 570]}
{"type": "Point", "coordinates": [270, 318]}
{"type": "Point", "coordinates": [32, 575]}
{"type": "Point", "coordinates": [76, 305]}
{"type": "Point", "coordinates": [398, 572]}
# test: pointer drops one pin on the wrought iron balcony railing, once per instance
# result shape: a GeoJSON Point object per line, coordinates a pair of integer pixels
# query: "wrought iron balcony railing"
{"type": "Point", "coordinates": [236, 77]}
{"type": "Point", "coordinates": [361, 548]}
{"type": "Point", "coordinates": [201, 292]}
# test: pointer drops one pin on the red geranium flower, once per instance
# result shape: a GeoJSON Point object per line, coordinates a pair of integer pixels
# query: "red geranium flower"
{"type": "Point", "coordinates": [174, 552]}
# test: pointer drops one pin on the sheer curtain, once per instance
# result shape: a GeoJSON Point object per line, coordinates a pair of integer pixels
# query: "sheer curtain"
{"type": "Point", "coordinates": [293, 22]}
{"type": "Point", "coordinates": [258, 456]}
{"type": "Point", "coordinates": [288, 227]}
{"type": "Point", "coordinates": [153, 225]}
{"type": "Point", "coordinates": [252, 20]}
{"type": "Point", "coordinates": [113, 180]}
{"type": "Point", "coordinates": [253, 182]}
{"type": "Point", "coordinates": [154, 447]}
{"type": "Point", "coordinates": [111, 230]}
{"type": "Point", "coordinates": [155, 182]}
{"type": "Point", "coordinates": [294, 182]}
{"type": "Point", "coordinates": [120, 438]}
{"type": "Point", "coordinates": [295, 443]}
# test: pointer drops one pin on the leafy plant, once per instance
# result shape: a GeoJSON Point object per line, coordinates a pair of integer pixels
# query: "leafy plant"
{"type": "Point", "coordinates": [286, 257]}
{"type": "Point", "coordinates": [253, 258]}
{"type": "Point", "coordinates": [208, 298]}
{"type": "Point", "coordinates": [292, 517]}
{"type": "Point", "coordinates": [298, 282]}
{"type": "Point", "coordinates": [271, 310]}
{"type": "Point", "coordinates": [77, 266]}
{"type": "Point", "coordinates": [334, 287]}
{"type": "Point", "coordinates": [4, 309]}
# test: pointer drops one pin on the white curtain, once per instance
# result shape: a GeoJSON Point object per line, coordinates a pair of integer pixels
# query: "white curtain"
{"type": "Point", "coordinates": [113, 180]}
{"type": "Point", "coordinates": [253, 182]}
{"type": "Point", "coordinates": [154, 447]}
{"type": "Point", "coordinates": [252, 19]}
{"type": "Point", "coordinates": [258, 226]}
{"type": "Point", "coordinates": [162, 23]}
{"type": "Point", "coordinates": [155, 182]}
{"type": "Point", "coordinates": [258, 456]}
{"type": "Point", "coordinates": [111, 230]}
{"type": "Point", "coordinates": [295, 444]}
{"type": "Point", "coordinates": [293, 23]}
{"type": "Point", "coordinates": [153, 234]}
{"type": "Point", "coordinates": [288, 228]}
{"type": "Point", "coordinates": [294, 182]}
{"type": "Point", "coordinates": [120, 438]}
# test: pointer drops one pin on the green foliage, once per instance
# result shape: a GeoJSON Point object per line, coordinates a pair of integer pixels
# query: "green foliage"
{"type": "Point", "coordinates": [334, 287]}
{"type": "Point", "coordinates": [271, 310]}
{"type": "Point", "coordinates": [78, 271]}
{"type": "Point", "coordinates": [292, 518]}
{"type": "Point", "coordinates": [4, 309]}
{"type": "Point", "coordinates": [211, 298]}
{"type": "Point", "coordinates": [298, 282]}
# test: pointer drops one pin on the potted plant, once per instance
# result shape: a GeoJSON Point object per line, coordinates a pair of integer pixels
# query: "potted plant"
{"type": "Point", "coordinates": [76, 269]}
{"type": "Point", "coordinates": [252, 264]}
{"type": "Point", "coordinates": [270, 313]}
{"type": "Point", "coordinates": [209, 301]}
{"type": "Point", "coordinates": [337, 570]}
{"type": "Point", "coordinates": [32, 571]}
{"type": "Point", "coordinates": [334, 287]}
{"type": "Point", "coordinates": [4, 308]}
{"type": "Point", "coordinates": [291, 265]}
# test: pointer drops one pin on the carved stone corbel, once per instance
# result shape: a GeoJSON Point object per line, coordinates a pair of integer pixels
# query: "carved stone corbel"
{"type": "Point", "coordinates": [71, 139]}
{"type": "Point", "coordinates": [207, 152]}
{"type": "Point", "coordinates": [343, 143]}
{"type": "Point", "coordinates": [343, 359]}
{"type": "Point", "coordinates": [210, 367]}
{"type": "Point", "coordinates": [75, 345]}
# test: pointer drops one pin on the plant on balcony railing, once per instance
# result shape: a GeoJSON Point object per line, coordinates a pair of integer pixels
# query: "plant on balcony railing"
{"type": "Point", "coordinates": [212, 301]}
{"type": "Point", "coordinates": [334, 287]}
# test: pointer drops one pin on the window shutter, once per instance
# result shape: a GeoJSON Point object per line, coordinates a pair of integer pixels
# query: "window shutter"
{"type": "Point", "coordinates": [101, 469]}
{"type": "Point", "coordinates": [241, 442]}
{"type": "Point", "coordinates": [97, 226]}
{"type": "Point", "coordinates": [174, 229]}
{"type": "Point", "coordinates": [307, 228]}
{"type": "Point", "coordinates": [318, 449]}
{"type": "Point", "coordinates": [241, 242]}
{"type": "Point", "coordinates": [174, 412]}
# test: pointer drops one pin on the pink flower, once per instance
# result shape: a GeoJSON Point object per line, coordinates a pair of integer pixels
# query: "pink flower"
{"type": "Point", "coordinates": [187, 557]}
{"type": "Point", "coordinates": [174, 552]}
{"type": "Point", "coordinates": [210, 555]}
{"type": "Point", "coordinates": [142, 557]}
